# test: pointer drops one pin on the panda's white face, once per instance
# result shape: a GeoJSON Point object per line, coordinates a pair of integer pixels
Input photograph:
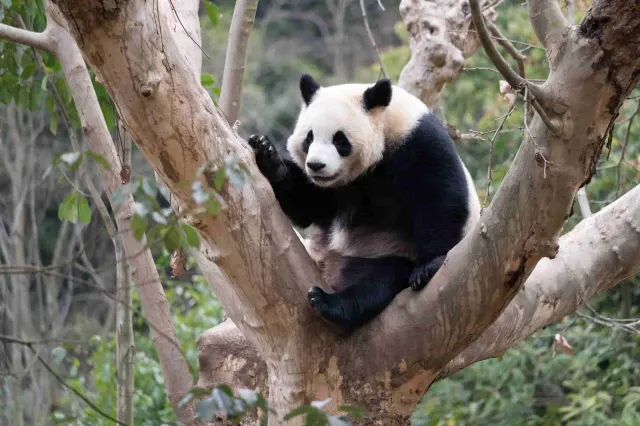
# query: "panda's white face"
{"type": "Point", "coordinates": [336, 139]}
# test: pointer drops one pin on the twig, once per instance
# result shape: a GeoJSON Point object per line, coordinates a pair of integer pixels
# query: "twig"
{"type": "Point", "coordinates": [506, 44]}
{"type": "Point", "coordinates": [624, 146]}
{"type": "Point", "coordinates": [489, 173]}
{"type": "Point", "coordinates": [583, 202]}
{"type": "Point", "coordinates": [371, 37]}
{"type": "Point", "coordinates": [87, 401]}
{"type": "Point", "coordinates": [515, 81]}
{"type": "Point", "coordinates": [538, 153]}
{"type": "Point", "coordinates": [235, 61]}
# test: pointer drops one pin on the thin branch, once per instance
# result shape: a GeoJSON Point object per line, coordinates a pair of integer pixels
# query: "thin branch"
{"type": "Point", "coordinates": [583, 202]}
{"type": "Point", "coordinates": [186, 31]}
{"type": "Point", "coordinates": [506, 44]}
{"type": "Point", "coordinates": [489, 173]}
{"type": "Point", "coordinates": [547, 21]}
{"type": "Point", "coordinates": [235, 61]}
{"type": "Point", "coordinates": [30, 38]}
{"type": "Point", "coordinates": [514, 80]}
{"type": "Point", "coordinates": [87, 401]}
{"type": "Point", "coordinates": [371, 37]}
{"type": "Point", "coordinates": [624, 146]}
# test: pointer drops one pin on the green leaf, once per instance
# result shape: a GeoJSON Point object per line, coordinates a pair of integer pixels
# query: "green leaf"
{"type": "Point", "coordinates": [205, 409]}
{"type": "Point", "coordinates": [305, 409]}
{"type": "Point", "coordinates": [53, 124]}
{"type": "Point", "coordinates": [207, 79]}
{"type": "Point", "coordinates": [339, 421]}
{"type": "Point", "coordinates": [43, 85]}
{"type": "Point", "coordinates": [172, 239]}
{"type": "Point", "coordinates": [249, 396]}
{"type": "Point", "coordinates": [195, 392]}
{"type": "Point", "coordinates": [320, 404]}
{"type": "Point", "coordinates": [139, 226]}
{"type": "Point", "coordinates": [58, 354]}
{"type": "Point", "coordinates": [212, 205]}
{"type": "Point", "coordinates": [213, 12]}
{"type": "Point", "coordinates": [220, 178]}
{"type": "Point", "coordinates": [98, 159]}
{"type": "Point", "coordinates": [84, 212]}
{"type": "Point", "coordinates": [355, 412]}
{"type": "Point", "coordinates": [192, 235]}
{"type": "Point", "coordinates": [68, 209]}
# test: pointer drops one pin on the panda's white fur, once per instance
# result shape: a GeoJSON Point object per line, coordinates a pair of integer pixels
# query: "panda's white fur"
{"type": "Point", "coordinates": [370, 132]}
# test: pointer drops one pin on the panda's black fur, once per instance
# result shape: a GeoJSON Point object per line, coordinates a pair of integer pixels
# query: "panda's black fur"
{"type": "Point", "coordinates": [418, 191]}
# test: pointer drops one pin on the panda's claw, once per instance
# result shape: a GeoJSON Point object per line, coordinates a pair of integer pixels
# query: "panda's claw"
{"type": "Point", "coordinates": [329, 308]}
{"type": "Point", "coordinates": [423, 273]}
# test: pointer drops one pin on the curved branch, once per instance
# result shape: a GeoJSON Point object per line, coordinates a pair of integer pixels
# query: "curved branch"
{"type": "Point", "coordinates": [514, 80]}
{"type": "Point", "coordinates": [596, 255]}
{"type": "Point", "coordinates": [600, 252]}
{"type": "Point", "coordinates": [235, 61]}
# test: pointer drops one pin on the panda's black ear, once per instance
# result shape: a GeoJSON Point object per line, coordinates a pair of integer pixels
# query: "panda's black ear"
{"type": "Point", "coordinates": [378, 95]}
{"type": "Point", "coordinates": [308, 87]}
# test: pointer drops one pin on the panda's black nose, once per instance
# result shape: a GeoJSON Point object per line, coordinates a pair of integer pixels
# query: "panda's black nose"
{"type": "Point", "coordinates": [315, 166]}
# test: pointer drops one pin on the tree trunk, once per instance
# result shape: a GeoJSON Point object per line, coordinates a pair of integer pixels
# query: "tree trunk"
{"type": "Point", "coordinates": [262, 271]}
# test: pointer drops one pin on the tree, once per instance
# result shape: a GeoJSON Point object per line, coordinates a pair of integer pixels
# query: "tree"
{"type": "Point", "coordinates": [149, 64]}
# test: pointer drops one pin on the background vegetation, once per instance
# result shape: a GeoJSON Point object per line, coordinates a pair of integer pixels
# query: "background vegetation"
{"type": "Point", "coordinates": [598, 384]}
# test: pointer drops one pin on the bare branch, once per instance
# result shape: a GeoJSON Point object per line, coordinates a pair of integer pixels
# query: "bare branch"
{"type": "Point", "coordinates": [508, 46]}
{"type": "Point", "coordinates": [30, 38]}
{"type": "Point", "coordinates": [46, 365]}
{"type": "Point", "coordinates": [235, 61]}
{"type": "Point", "coordinates": [371, 37]}
{"type": "Point", "coordinates": [547, 20]}
{"type": "Point", "coordinates": [602, 250]}
{"type": "Point", "coordinates": [624, 146]}
{"type": "Point", "coordinates": [515, 80]}
{"type": "Point", "coordinates": [583, 202]}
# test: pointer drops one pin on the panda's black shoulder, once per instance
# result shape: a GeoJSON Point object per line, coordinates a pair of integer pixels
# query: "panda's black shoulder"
{"type": "Point", "coordinates": [428, 156]}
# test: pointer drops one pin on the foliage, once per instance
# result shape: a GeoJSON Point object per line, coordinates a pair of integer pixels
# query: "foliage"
{"type": "Point", "coordinates": [598, 385]}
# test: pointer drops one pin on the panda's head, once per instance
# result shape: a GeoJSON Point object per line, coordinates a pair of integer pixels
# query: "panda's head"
{"type": "Point", "coordinates": [340, 131]}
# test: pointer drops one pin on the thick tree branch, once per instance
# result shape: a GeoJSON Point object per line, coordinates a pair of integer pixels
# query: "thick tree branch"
{"type": "Point", "coordinates": [38, 40]}
{"type": "Point", "coordinates": [263, 266]}
{"type": "Point", "coordinates": [235, 61]}
{"type": "Point", "coordinates": [59, 42]}
{"type": "Point", "coordinates": [596, 255]}
{"type": "Point", "coordinates": [548, 21]}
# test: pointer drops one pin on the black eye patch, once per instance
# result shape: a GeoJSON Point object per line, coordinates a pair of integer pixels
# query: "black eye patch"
{"type": "Point", "coordinates": [307, 141]}
{"type": "Point", "coordinates": [342, 144]}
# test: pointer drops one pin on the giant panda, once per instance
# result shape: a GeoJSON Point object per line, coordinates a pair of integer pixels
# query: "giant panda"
{"type": "Point", "coordinates": [376, 187]}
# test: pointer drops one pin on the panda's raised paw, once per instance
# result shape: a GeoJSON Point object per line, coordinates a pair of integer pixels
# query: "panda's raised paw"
{"type": "Point", "coordinates": [330, 308]}
{"type": "Point", "coordinates": [267, 157]}
{"type": "Point", "coordinates": [422, 274]}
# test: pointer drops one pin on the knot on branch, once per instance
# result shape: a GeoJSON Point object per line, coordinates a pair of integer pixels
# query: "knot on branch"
{"type": "Point", "coordinates": [150, 85]}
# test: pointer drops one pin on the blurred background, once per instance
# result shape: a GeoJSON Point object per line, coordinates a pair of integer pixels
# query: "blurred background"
{"type": "Point", "coordinates": [598, 383]}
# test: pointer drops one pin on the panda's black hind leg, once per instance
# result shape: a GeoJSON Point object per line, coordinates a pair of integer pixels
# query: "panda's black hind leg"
{"type": "Point", "coordinates": [371, 286]}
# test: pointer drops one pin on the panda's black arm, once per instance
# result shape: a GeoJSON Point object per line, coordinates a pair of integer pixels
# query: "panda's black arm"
{"type": "Point", "coordinates": [302, 201]}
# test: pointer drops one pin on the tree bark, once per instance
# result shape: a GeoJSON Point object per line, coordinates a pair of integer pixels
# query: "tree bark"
{"type": "Point", "coordinates": [441, 37]}
{"type": "Point", "coordinates": [56, 40]}
{"type": "Point", "coordinates": [262, 268]}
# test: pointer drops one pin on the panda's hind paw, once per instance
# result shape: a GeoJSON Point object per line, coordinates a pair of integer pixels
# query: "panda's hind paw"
{"type": "Point", "coordinates": [423, 273]}
{"type": "Point", "coordinates": [330, 308]}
